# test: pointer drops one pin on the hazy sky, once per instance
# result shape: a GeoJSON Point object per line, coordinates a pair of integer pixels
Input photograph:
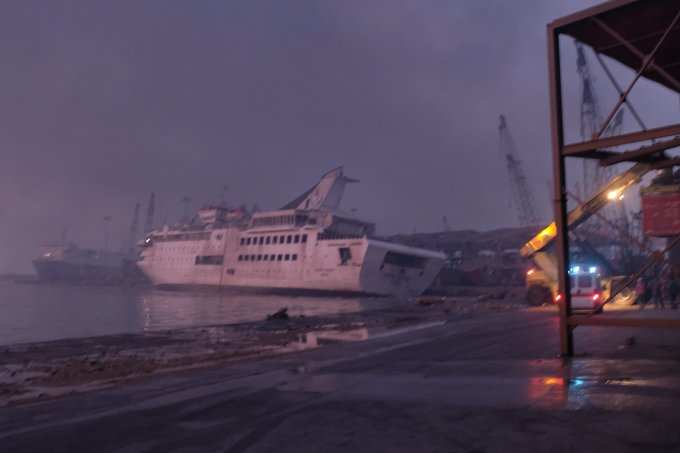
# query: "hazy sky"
{"type": "Point", "coordinates": [102, 102]}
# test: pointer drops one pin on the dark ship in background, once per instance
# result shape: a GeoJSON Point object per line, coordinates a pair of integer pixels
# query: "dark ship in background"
{"type": "Point", "coordinates": [66, 262]}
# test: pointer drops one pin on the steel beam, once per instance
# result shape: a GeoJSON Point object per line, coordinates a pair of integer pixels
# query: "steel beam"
{"type": "Point", "coordinates": [634, 40]}
{"type": "Point", "coordinates": [599, 154]}
{"type": "Point", "coordinates": [588, 13]}
{"type": "Point", "coordinates": [638, 53]}
{"type": "Point", "coordinates": [647, 60]}
{"type": "Point", "coordinates": [624, 234]}
{"type": "Point", "coordinates": [641, 154]}
{"type": "Point", "coordinates": [560, 191]}
{"type": "Point", "coordinates": [655, 258]}
{"type": "Point", "coordinates": [619, 90]}
{"type": "Point", "coordinates": [666, 163]}
{"type": "Point", "coordinates": [579, 149]}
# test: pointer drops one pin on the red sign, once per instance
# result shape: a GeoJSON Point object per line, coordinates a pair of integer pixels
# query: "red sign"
{"type": "Point", "coordinates": [661, 214]}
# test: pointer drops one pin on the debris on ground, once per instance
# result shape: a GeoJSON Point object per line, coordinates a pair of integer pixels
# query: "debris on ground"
{"type": "Point", "coordinates": [498, 295]}
{"type": "Point", "coordinates": [278, 315]}
{"type": "Point", "coordinates": [430, 300]}
{"type": "Point", "coordinates": [51, 369]}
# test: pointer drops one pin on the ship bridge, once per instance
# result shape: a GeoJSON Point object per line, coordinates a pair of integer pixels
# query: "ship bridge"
{"type": "Point", "coordinates": [284, 218]}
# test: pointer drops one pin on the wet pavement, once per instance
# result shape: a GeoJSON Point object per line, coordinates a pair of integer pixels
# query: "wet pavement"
{"type": "Point", "coordinates": [490, 382]}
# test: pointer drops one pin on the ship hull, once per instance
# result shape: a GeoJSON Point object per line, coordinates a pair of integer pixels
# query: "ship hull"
{"type": "Point", "coordinates": [282, 291]}
{"type": "Point", "coordinates": [54, 271]}
{"type": "Point", "coordinates": [88, 274]}
{"type": "Point", "coordinates": [351, 266]}
{"type": "Point", "coordinates": [307, 245]}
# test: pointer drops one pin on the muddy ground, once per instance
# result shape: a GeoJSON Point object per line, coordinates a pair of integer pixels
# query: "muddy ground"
{"type": "Point", "coordinates": [34, 371]}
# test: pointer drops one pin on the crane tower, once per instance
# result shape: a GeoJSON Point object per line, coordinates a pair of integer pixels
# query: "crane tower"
{"type": "Point", "coordinates": [522, 197]}
{"type": "Point", "coordinates": [132, 233]}
{"type": "Point", "coordinates": [591, 120]}
{"type": "Point", "coordinates": [595, 176]}
{"type": "Point", "coordinates": [150, 210]}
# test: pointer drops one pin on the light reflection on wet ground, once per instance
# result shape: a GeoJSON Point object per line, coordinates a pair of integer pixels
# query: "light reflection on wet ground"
{"type": "Point", "coordinates": [550, 392]}
{"type": "Point", "coordinates": [545, 384]}
{"type": "Point", "coordinates": [485, 383]}
{"type": "Point", "coordinates": [507, 380]}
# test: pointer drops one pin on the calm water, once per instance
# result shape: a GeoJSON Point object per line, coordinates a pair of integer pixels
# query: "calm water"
{"type": "Point", "coordinates": [43, 312]}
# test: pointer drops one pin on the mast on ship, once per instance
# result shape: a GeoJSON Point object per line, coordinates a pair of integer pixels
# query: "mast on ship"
{"type": "Point", "coordinates": [132, 234]}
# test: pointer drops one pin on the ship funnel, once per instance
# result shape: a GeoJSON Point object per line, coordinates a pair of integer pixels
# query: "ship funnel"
{"type": "Point", "coordinates": [326, 194]}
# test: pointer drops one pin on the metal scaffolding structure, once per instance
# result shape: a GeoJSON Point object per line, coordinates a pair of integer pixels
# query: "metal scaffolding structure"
{"type": "Point", "coordinates": [643, 35]}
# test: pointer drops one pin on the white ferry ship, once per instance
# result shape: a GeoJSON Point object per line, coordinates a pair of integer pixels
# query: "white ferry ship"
{"type": "Point", "coordinates": [308, 245]}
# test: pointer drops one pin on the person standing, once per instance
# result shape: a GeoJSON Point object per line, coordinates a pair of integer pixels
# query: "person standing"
{"type": "Point", "coordinates": [673, 290]}
{"type": "Point", "coordinates": [640, 293]}
{"type": "Point", "coordinates": [659, 287]}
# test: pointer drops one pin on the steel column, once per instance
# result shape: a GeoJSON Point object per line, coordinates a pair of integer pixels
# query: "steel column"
{"type": "Point", "coordinates": [560, 192]}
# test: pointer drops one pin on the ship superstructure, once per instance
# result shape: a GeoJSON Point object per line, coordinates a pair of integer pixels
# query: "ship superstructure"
{"type": "Point", "coordinates": [307, 245]}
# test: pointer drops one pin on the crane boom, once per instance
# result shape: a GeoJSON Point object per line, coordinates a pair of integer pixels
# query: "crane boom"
{"type": "Point", "coordinates": [609, 192]}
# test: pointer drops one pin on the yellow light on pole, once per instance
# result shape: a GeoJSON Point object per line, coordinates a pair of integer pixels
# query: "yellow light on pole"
{"type": "Point", "coordinates": [615, 194]}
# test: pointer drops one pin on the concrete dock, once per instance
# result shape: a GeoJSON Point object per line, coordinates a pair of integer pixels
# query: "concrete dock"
{"type": "Point", "coordinates": [487, 383]}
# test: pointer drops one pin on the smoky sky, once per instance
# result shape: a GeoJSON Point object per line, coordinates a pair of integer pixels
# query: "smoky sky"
{"type": "Point", "coordinates": [103, 102]}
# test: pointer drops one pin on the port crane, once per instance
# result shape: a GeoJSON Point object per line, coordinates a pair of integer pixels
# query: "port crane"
{"type": "Point", "coordinates": [542, 282]}
{"type": "Point", "coordinates": [132, 233]}
{"type": "Point", "coordinates": [186, 202]}
{"type": "Point", "coordinates": [518, 181]}
{"type": "Point", "coordinates": [445, 224]}
{"type": "Point", "coordinates": [594, 176]}
{"type": "Point", "coordinates": [591, 121]}
{"type": "Point", "coordinates": [150, 210]}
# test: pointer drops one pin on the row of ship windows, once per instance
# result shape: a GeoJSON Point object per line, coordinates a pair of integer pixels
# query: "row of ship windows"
{"type": "Point", "coordinates": [279, 220]}
{"type": "Point", "coordinates": [198, 236]}
{"type": "Point", "coordinates": [266, 240]}
{"type": "Point", "coordinates": [178, 249]}
{"type": "Point", "coordinates": [280, 257]}
{"type": "Point", "coordinates": [172, 260]}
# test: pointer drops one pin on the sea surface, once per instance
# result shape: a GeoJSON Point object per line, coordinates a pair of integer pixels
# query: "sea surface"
{"type": "Point", "coordinates": [42, 312]}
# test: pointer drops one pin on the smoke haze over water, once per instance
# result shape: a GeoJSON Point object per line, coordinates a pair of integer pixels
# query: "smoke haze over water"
{"type": "Point", "coordinates": [104, 102]}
